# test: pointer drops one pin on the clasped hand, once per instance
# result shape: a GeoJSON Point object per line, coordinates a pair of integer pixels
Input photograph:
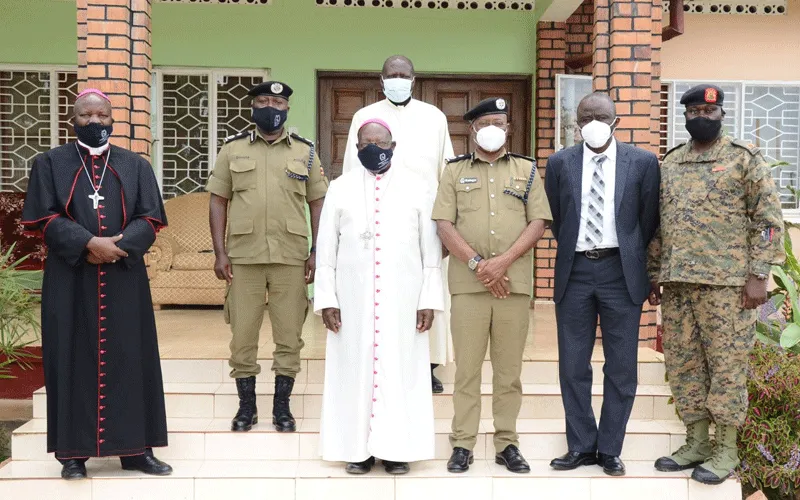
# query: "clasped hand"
{"type": "Point", "coordinates": [492, 274]}
{"type": "Point", "coordinates": [332, 318]}
{"type": "Point", "coordinates": [104, 250]}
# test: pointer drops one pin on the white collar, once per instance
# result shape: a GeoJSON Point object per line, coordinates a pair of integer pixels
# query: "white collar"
{"type": "Point", "coordinates": [610, 152]}
{"type": "Point", "coordinates": [96, 151]}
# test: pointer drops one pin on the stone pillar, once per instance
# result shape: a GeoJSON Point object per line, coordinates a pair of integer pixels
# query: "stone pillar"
{"type": "Point", "coordinates": [114, 55]}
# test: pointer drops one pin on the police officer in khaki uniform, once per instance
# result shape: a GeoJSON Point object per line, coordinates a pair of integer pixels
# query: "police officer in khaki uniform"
{"type": "Point", "coordinates": [264, 178]}
{"type": "Point", "coordinates": [491, 210]}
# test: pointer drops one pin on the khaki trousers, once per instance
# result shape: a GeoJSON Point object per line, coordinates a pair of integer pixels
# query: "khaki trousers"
{"type": "Point", "coordinates": [476, 319]}
{"type": "Point", "coordinates": [244, 306]}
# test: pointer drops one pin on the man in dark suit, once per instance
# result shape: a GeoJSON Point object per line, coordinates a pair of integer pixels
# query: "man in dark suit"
{"type": "Point", "coordinates": [604, 197]}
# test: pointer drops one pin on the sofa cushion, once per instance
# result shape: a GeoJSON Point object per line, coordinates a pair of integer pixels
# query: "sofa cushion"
{"type": "Point", "coordinates": [193, 261]}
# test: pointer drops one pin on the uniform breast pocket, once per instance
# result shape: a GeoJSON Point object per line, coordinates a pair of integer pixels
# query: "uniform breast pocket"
{"type": "Point", "coordinates": [726, 190]}
{"type": "Point", "coordinates": [295, 177]}
{"type": "Point", "coordinates": [468, 196]}
{"type": "Point", "coordinates": [243, 175]}
{"type": "Point", "coordinates": [513, 194]}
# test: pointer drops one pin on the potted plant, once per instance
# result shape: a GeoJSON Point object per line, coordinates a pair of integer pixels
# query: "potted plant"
{"type": "Point", "coordinates": [20, 360]}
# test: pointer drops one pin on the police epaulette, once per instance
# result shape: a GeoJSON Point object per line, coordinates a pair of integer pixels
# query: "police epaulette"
{"type": "Point", "coordinates": [234, 137]}
{"type": "Point", "coordinates": [517, 155]}
{"type": "Point", "coordinates": [302, 139]}
{"type": "Point", "coordinates": [459, 158]}
{"type": "Point", "coordinates": [673, 149]}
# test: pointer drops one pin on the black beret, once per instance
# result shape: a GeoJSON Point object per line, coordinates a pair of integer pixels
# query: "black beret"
{"type": "Point", "coordinates": [490, 106]}
{"type": "Point", "coordinates": [703, 94]}
{"type": "Point", "coordinates": [277, 89]}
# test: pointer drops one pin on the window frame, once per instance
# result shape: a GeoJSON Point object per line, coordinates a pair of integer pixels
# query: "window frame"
{"type": "Point", "coordinates": [557, 105]}
{"type": "Point", "coordinates": [157, 109]}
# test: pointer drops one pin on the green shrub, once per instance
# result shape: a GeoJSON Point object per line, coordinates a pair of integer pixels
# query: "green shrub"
{"type": "Point", "coordinates": [769, 441]}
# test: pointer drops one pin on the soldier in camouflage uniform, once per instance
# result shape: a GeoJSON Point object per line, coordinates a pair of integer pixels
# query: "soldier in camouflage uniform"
{"type": "Point", "coordinates": [721, 231]}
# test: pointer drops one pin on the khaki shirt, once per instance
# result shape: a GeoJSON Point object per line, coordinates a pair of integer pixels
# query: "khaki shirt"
{"type": "Point", "coordinates": [721, 216]}
{"type": "Point", "coordinates": [268, 186]}
{"type": "Point", "coordinates": [485, 203]}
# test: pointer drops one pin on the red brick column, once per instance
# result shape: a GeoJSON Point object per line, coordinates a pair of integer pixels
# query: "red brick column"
{"type": "Point", "coordinates": [627, 66]}
{"type": "Point", "coordinates": [114, 55]}
{"type": "Point", "coordinates": [551, 51]}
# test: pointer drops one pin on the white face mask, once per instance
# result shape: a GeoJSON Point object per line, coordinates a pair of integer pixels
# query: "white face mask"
{"type": "Point", "coordinates": [397, 89]}
{"type": "Point", "coordinates": [596, 134]}
{"type": "Point", "coordinates": [491, 138]}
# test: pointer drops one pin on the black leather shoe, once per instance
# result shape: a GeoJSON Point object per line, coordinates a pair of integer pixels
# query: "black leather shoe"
{"type": "Point", "coordinates": [360, 467]}
{"type": "Point", "coordinates": [612, 465]}
{"type": "Point", "coordinates": [282, 417]}
{"type": "Point", "coordinates": [512, 458]}
{"type": "Point", "coordinates": [147, 464]}
{"type": "Point", "coordinates": [436, 384]}
{"type": "Point", "coordinates": [460, 460]}
{"type": "Point", "coordinates": [572, 460]}
{"type": "Point", "coordinates": [247, 416]}
{"type": "Point", "coordinates": [396, 467]}
{"type": "Point", "coordinates": [73, 469]}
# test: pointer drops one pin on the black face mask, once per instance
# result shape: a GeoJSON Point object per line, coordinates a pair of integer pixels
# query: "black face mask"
{"type": "Point", "coordinates": [703, 129]}
{"type": "Point", "coordinates": [374, 158]}
{"type": "Point", "coordinates": [93, 135]}
{"type": "Point", "coordinates": [269, 119]}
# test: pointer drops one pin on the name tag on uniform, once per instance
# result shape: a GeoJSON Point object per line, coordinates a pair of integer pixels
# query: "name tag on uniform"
{"type": "Point", "coordinates": [468, 180]}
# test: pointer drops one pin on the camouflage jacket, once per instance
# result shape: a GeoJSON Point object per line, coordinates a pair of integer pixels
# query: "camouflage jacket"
{"type": "Point", "coordinates": [721, 216]}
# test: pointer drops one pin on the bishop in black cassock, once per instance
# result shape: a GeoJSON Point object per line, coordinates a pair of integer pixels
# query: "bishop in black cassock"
{"type": "Point", "coordinates": [98, 208]}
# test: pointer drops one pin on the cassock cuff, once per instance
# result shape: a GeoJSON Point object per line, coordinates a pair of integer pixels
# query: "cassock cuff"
{"type": "Point", "coordinates": [325, 289]}
{"type": "Point", "coordinates": [432, 294]}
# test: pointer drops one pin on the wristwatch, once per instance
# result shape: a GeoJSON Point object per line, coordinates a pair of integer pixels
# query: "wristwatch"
{"type": "Point", "coordinates": [473, 262]}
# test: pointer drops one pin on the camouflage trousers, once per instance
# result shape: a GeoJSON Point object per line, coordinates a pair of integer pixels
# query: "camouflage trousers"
{"type": "Point", "coordinates": [707, 341]}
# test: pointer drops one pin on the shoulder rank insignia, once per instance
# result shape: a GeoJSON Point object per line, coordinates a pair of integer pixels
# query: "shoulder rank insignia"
{"type": "Point", "coordinates": [516, 155]}
{"type": "Point", "coordinates": [310, 145]}
{"type": "Point", "coordinates": [467, 156]}
{"type": "Point", "coordinates": [746, 145]}
{"type": "Point", "coordinates": [234, 137]}
{"type": "Point", "coordinates": [679, 146]}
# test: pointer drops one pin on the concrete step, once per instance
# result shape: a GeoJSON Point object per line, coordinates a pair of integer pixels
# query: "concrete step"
{"type": "Point", "coordinates": [314, 480]}
{"type": "Point", "coordinates": [541, 368]}
{"type": "Point", "coordinates": [211, 439]}
{"type": "Point", "coordinates": [219, 400]}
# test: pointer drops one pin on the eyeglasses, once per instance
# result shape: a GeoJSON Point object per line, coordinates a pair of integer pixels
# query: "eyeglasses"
{"type": "Point", "coordinates": [382, 145]}
{"type": "Point", "coordinates": [696, 111]}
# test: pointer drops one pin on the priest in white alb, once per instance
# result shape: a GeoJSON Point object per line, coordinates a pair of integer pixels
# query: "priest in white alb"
{"type": "Point", "coordinates": [420, 130]}
{"type": "Point", "coordinates": [378, 283]}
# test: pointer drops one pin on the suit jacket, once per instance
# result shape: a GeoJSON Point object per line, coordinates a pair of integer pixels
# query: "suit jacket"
{"type": "Point", "coordinates": [636, 200]}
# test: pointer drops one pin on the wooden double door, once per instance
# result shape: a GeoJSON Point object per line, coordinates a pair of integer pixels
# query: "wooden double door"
{"type": "Point", "coordinates": [340, 95]}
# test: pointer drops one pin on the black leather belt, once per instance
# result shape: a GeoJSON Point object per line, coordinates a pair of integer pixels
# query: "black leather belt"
{"type": "Point", "coordinates": [599, 253]}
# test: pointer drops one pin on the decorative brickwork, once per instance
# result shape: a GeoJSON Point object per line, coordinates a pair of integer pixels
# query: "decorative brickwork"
{"type": "Point", "coordinates": [619, 44]}
{"type": "Point", "coordinates": [114, 55]}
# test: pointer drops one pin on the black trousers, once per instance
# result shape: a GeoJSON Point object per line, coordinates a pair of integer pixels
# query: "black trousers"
{"type": "Point", "coordinates": [597, 288]}
{"type": "Point", "coordinates": [122, 460]}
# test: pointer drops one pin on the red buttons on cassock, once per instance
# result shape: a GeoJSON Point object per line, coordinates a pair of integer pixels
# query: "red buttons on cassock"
{"type": "Point", "coordinates": [376, 345]}
{"type": "Point", "coordinates": [103, 329]}
{"type": "Point", "coordinates": [102, 307]}
{"type": "Point", "coordinates": [102, 295]}
{"type": "Point", "coordinates": [378, 275]}
{"type": "Point", "coordinates": [102, 441]}
{"type": "Point", "coordinates": [102, 340]}
{"type": "Point", "coordinates": [102, 273]}
{"type": "Point", "coordinates": [102, 363]}
{"type": "Point", "coordinates": [378, 264]}
{"type": "Point", "coordinates": [377, 291]}
{"type": "Point", "coordinates": [374, 400]}
{"type": "Point", "coordinates": [376, 304]}
{"type": "Point", "coordinates": [102, 318]}
{"type": "Point", "coordinates": [102, 407]}
{"type": "Point", "coordinates": [102, 351]}
{"type": "Point", "coordinates": [377, 188]}
{"type": "Point", "coordinates": [103, 227]}
{"type": "Point", "coordinates": [102, 216]}
{"type": "Point", "coordinates": [377, 317]}
{"type": "Point", "coordinates": [102, 419]}
{"type": "Point", "coordinates": [377, 234]}
{"type": "Point", "coordinates": [376, 359]}
{"type": "Point", "coordinates": [102, 385]}
{"type": "Point", "coordinates": [102, 430]}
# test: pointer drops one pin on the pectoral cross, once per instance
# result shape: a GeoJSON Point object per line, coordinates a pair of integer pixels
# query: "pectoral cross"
{"type": "Point", "coordinates": [96, 199]}
{"type": "Point", "coordinates": [366, 236]}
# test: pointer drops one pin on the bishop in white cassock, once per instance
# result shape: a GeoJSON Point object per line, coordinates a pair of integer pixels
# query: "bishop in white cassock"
{"type": "Point", "coordinates": [423, 146]}
{"type": "Point", "coordinates": [378, 283]}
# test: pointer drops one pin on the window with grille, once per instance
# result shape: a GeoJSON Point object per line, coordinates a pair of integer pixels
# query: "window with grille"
{"type": "Point", "coordinates": [570, 89]}
{"type": "Point", "coordinates": [35, 108]}
{"type": "Point", "coordinates": [194, 111]}
{"type": "Point", "coordinates": [764, 114]}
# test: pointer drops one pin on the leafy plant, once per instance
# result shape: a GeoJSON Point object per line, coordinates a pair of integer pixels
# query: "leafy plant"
{"type": "Point", "coordinates": [19, 327]}
{"type": "Point", "coordinates": [779, 318]}
{"type": "Point", "coordinates": [769, 441]}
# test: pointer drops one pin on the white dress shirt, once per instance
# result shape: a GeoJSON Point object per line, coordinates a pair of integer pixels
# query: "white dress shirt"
{"type": "Point", "coordinates": [609, 176]}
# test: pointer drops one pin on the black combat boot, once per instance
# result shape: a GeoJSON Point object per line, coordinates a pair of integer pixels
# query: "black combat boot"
{"type": "Point", "coordinates": [282, 417]}
{"type": "Point", "coordinates": [247, 416]}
